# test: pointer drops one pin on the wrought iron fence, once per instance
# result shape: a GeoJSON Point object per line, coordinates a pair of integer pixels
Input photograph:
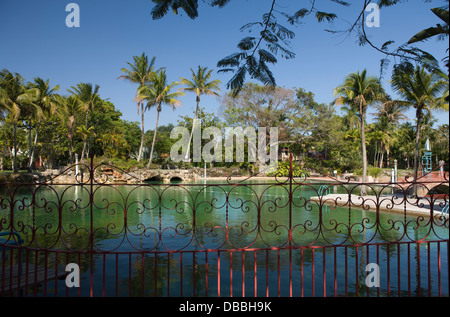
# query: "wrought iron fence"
{"type": "Point", "coordinates": [281, 236]}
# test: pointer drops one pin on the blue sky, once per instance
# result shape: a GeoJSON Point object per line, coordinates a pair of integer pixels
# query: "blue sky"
{"type": "Point", "coordinates": [36, 42]}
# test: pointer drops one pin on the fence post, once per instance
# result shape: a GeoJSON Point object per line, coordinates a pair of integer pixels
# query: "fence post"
{"type": "Point", "coordinates": [91, 205]}
{"type": "Point", "coordinates": [291, 175]}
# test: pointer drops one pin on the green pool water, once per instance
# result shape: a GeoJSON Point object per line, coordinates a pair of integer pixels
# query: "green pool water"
{"type": "Point", "coordinates": [143, 228]}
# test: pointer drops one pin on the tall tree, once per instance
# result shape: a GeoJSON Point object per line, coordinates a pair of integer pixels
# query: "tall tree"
{"type": "Point", "coordinates": [200, 85]}
{"type": "Point", "coordinates": [157, 93]}
{"type": "Point", "coordinates": [46, 101]}
{"type": "Point", "coordinates": [404, 137]}
{"type": "Point", "coordinates": [388, 116]}
{"type": "Point", "coordinates": [70, 106]}
{"type": "Point", "coordinates": [421, 90]}
{"type": "Point", "coordinates": [140, 72]}
{"type": "Point", "coordinates": [89, 98]}
{"type": "Point", "coordinates": [86, 134]}
{"type": "Point", "coordinates": [360, 90]}
{"type": "Point", "coordinates": [351, 118]}
{"type": "Point", "coordinates": [13, 96]}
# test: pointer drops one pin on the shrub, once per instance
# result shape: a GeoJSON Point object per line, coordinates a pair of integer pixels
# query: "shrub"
{"type": "Point", "coordinates": [283, 170]}
{"type": "Point", "coordinates": [375, 172]}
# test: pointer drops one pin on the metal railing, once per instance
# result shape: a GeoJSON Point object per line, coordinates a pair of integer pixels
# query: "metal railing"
{"type": "Point", "coordinates": [238, 237]}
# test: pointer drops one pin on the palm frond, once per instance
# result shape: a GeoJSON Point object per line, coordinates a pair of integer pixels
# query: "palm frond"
{"type": "Point", "coordinates": [321, 16]}
{"type": "Point", "coordinates": [233, 60]}
{"type": "Point", "coordinates": [247, 43]}
{"type": "Point", "coordinates": [266, 56]}
{"type": "Point", "coordinates": [161, 8]}
{"type": "Point", "coordinates": [219, 3]}
{"type": "Point", "coordinates": [237, 82]}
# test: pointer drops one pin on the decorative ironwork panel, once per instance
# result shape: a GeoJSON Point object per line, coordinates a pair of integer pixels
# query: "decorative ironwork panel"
{"type": "Point", "coordinates": [106, 212]}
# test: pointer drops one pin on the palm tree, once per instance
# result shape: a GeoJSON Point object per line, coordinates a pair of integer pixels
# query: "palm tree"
{"type": "Point", "coordinates": [443, 101]}
{"type": "Point", "coordinates": [189, 6]}
{"type": "Point", "coordinates": [46, 103]}
{"type": "Point", "coordinates": [421, 90]}
{"type": "Point", "coordinates": [13, 97]}
{"type": "Point", "coordinates": [85, 134]}
{"type": "Point", "coordinates": [89, 98]}
{"type": "Point", "coordinates": [404, 137]}
{"type": "Point", "coordinates": [113, 143]}
{"type": "Point", "coordinates": [70, 106]}
{"type": "Point", "coordinates": [350, 119]}
{"type": "Point", "coordinates": [381, 137]}
{"type": "Point", "coordinates": [440, 31]}
{"type": "Point", "coordinates": [139, 73]}
{"type": "Point", "coordinates": [388, 117]}
{"type": "Point", "coordinates": [156, 94]}
{"type": "Point", "coordinates": [360, 91]}
{"type": "Point", "coordinates": [200, 86]}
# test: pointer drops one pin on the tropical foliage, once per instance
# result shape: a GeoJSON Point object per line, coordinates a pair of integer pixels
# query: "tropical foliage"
{"type": "Point", "coordinates": [271, 36]}
{"type": "Point", "coordinates": [158, 93]}
{"type": "Point", "coordinates": [140, 72]}
{"type": "Point", "coordinates": [40, 127]}
{"type": "Point", "coordinates": [421, 90]}
{"type": "Point", "coordinates": [200, 85]}
{"type": "Point", "coordinates": [360, 91]}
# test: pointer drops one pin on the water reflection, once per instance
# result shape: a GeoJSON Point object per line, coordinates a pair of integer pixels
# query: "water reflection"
{"type": "Point", "coordinates": [188, 216]}
{"type": "Point", "coordinates": [161, 224]}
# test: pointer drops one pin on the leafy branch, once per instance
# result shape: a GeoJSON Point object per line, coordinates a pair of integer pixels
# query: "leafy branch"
{"type": "Point", "coordinates": [404, 52]}
{"type": "Point", "coordinates": [256, 53]}
{"type": "Point", "coordinates": [252, 59]}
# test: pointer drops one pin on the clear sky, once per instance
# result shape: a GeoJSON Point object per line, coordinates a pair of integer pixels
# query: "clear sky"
{"type": "Point", "coordinates": [35, 41]}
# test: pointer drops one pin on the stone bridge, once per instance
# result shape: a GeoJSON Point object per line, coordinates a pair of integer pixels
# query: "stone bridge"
{"type": "Point", "coordinates": [158, 175]}
{"type": "Point", "coordinates": [110, 175]}
{"type": "Point", "coordinates": [435, 183]}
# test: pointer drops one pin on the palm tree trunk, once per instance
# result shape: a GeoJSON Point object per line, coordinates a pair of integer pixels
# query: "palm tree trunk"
{"type": "Point", "coordinates": [70, 133]}
{"type": "Point", "coordinates": [84, 147]}
{"type": "Point", "coordinates": [364, 152]}
{"type": "Point", "coordinates": [141, 148]}
{"type": "Point", "coordinates": [154, 138]}
{"type": "Point", "coordinates": [85, 140]}
{"type": "Point", "coordinates": [375, 154]}
{"type": "Point", "coordinates": [188, 152]}
{"type": "Point", "coordinates": [388, 163]}
{"type": "Point", "coordinates": [34, 145]}
{"type": "Point", "coordinates": [88, 153]}
{"type": "Point", "coordinates": [382, 155]}
{"type": "Point", "coordinates": [15, 146]}
{"type": "Point", "coordinates": [70, 150]}
{"type": "Point", "coordinates": [416, 151]}
{"type": "Point", "coordinates": [29, 145]}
